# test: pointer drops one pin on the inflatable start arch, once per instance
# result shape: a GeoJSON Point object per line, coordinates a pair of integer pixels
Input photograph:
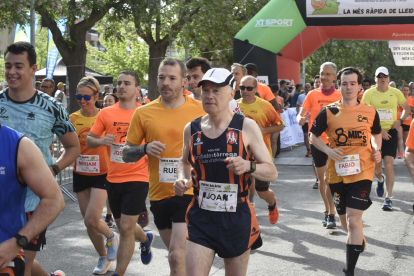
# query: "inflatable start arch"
{"type": "Point", "coordinates": [285, 32]}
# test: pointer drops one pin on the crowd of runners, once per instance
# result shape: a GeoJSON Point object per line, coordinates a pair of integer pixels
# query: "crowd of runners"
{"type": "Point", "coordinates": [199, 156]}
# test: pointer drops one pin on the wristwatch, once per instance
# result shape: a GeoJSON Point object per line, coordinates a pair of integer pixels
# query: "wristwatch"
{"type": "Point", "coordinates": [401, 121]}
{"type": "Point", "coordinates": [55, 168]}
{"type": "Point", "coordinates": [252, 167]}
{"type": "Point", "coordinates": [22, 241]}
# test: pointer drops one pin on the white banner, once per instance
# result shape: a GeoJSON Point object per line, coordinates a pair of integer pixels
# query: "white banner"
{"type": "Point", "coordinates": [292, 133]}
{"type": "Point", "coordinates": [359, 8]}
{"type": "Point", "coordinates": [403, 52]}
{"type": "Point", "coordinates": [263, 79]}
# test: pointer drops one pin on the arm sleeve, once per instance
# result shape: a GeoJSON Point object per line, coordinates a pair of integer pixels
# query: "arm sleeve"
{"type": "Point", "coordinates": [273, 117]}
{"type": "Point", "coordinates": [376, 126]}
{"type": "Point", "coordinates": [99, 126]}
{"type": "Point", "coordinates": [62, 123]}
{"type": "Point", "coordinates": [268, 95]}
{"type": "Point", "coordinates": [136, 131]}
{"type": "Point", "coordinates": [320, 124]}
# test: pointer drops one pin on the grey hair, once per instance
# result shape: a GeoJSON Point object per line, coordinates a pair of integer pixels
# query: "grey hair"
{"type": "Point", "coordinates": [172, 62]}
{"type": "Point", "coordinates": [329, 64]}
{"type": "Point", "coordinates": [235, 65]}
{"type": "Point", "coordinates": [52, 81]}
{"type": "Point", "coordinates": [90, 82]}
{"type": "Point", "coordinates": [248, 77]}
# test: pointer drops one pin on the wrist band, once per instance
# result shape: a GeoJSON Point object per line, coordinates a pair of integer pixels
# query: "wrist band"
{"type": "Point", "coordinates": [145, 148]}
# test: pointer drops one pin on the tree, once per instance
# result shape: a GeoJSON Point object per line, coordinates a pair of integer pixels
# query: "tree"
{"type": "Point", "coordinates": [41, 47]}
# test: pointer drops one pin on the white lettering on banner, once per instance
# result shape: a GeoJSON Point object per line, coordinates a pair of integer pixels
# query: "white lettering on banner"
{"type": "Point", "coordinates": [273, 23]}
{"type": "Point", "coordinates": [116, 153]}
{"type": "Point", "coordinates": [88, 164]}
{"type": "Point", "coordinates": [385, 115]}
{"type": "Point", "coordinates": [349, 165]}
{"type": "Point", "coordinates": [218, 197]}
{"type": "Point", "coordinates": [402, 51]}
{"type": "Point", "coordinates": [359, 8]}
{"type": "Point", "coordinates": [290, 134]}
{"type": "Point", "coordinates": [167, 170]}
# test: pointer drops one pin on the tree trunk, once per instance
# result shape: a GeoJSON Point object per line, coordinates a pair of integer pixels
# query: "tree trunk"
{"type": "Point", "coordinates": [156, 54]}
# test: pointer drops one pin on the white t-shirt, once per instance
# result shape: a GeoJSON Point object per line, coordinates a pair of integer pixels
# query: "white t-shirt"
{"type": "Point", "coordinates": [301, 99]}
{"type": "Point", "coordinates": [60, 95]}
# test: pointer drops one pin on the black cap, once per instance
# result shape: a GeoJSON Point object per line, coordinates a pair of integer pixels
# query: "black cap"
{"type": "Point", "coordinates": [251, 66]}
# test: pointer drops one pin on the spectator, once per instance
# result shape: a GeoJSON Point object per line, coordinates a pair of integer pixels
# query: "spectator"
{"type": "Point", "coordinates": [60, 94]}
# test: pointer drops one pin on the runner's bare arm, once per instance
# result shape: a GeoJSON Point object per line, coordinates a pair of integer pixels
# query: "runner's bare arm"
{"type": "Point", "coordinates": [94, 141]}
{"type": "Point", "coordinates": [335, 154]}
{"type": "Point", "coordinates": [271, 129]}
{"type": "Point", "coordinates": [409, 161]}
{"type": "Point", "coordinates": [182, 184]}
{"type": "Point", "coordinates": [71, 145]}
{"type": "Point", "coordinates": [376, 142]}
{"type": "Point", "coordinates": [283, 104]}
{"type": "Point", "coordinates": [275, 104]}
{"type": "Point", "coordinates": [33, 171]}
{"type": "Point", "coordinates": [406, 112]}
{"type": "Point", "coordinates": [133, 153]}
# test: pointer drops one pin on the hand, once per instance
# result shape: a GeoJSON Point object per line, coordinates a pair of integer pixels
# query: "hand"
{"type": "Point", "coordinates": [376, 155]}
{"type": "Point", "coordinates": [396, 124]}
{"type": "Point", "coordinates": [262, 129]}
{"type": "Point", "coordinates": [385, 135]}
{"type": "Point", "coordinates": [155, 148]}
{"type": "Point", "coordinates": [237, 164]}
{"type": "Point", "coordinates": [303, 120]}
{"type": "Point", "coordinates": [335, 154]}
{"type": "Point", "coordinates": [181, 186]}
{"type": "Point", "coordinates": [107, 140]}
{"type": "Point", "coordinates": [8, 251]}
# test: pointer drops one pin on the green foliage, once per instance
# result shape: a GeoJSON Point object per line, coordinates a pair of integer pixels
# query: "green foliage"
{"type": "Point", "coordinates": [2, 78]}
{"type": "Point", "coordinates": [41, 48]}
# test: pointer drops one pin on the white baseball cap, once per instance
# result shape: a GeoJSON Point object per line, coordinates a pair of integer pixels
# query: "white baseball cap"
{"type": "Point", "coordinates": [219, 76]}
{"type": "Point", "coordinates": [380, 70]}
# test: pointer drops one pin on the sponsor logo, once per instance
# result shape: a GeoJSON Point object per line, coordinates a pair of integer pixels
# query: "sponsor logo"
{"type": "Point", "coordinates": [31, 116]}
{"type": "Point", "coordinates": [275, 23]}
{"type": "Point", "coordinates": [362, 119]}
{"type": "Point", "coordinates": [231, 137]}
{"type": "Point", "coordinates": [253, 111]}
{"type": "Point", "coordinates": [198, 142]}
{"type": "Point", "coordinates": [384, 102]}
{"type": "Point", "coordinates": [351, 137]}
{"type": "Point", "coordinates": [254, 232]}
{"type": "Point", "coordinates": [2, 170]}
{"type": "Point", "coordinates": [3, 110]}
{"type": "Point", "coordinates": [336, 199]}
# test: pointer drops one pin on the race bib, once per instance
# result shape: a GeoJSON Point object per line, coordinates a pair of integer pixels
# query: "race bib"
{"type": "Point", "coordinates": [218, 197]}
{"type": "Point", "coordinates": [88, 164]}
{"type": "Point", "coordinates": [168, 170]}
{"type": "Point", "coordinates": [349, 165]}
{"type": "Point", "coordinates": [385, 115]}
{"type": "Point", "coordinates": [116, 153]}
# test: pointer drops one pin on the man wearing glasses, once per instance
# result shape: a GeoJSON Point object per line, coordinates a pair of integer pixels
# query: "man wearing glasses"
{"type": "Point", "coordinates": [385, 99]}
{"type": "Point", "coordinates": [47, 86]}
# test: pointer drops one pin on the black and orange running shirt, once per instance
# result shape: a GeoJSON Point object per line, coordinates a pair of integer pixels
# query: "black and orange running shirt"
{"type": "Point", "coordinates": [349, 128]}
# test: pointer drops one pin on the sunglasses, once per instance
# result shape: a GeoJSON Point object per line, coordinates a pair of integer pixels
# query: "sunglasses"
{"type": "Point", "coordinates": [382, 76]}
{"type": "Point", "coordinates": [249, 88]}
{"type": "Point", "coordinates": [86, 97]}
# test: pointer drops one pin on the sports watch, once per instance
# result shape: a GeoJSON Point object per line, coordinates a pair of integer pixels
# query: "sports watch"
{"type": "Point", "coordinates": [55, 168]}
{"type": "Point", "coordinates": [252, 167]}
{"type": "Point", "coordinates": [401, 121]}
{"type": "Point", "coordinates": [22, 241]}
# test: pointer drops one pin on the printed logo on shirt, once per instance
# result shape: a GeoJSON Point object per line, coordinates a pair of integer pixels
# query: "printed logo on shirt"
{"type": "Point", "coordinates": [354, 137]}
{"type": "Point", "coordinates": [31, 116]}
{"type": "Point", "coordinates": [3, 111]}
{"type": "Point", "coordinates": [198, 142]}
{"type": "Point", "coordinates": [254, 232]}
{"type": "Point", "coordinates": [2, 170]}
{"type": "Point", "coordinates": [231, 137]}
{"type": "Point", "coordinates": [362, 119]}
{"type": "Point", "coordinates": [384, 102]}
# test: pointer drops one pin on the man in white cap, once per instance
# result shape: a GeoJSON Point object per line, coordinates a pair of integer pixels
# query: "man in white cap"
{"type": "Point", "coordinates": [216, 156]}
{"type": "Point", "coordinates": [385, 100]}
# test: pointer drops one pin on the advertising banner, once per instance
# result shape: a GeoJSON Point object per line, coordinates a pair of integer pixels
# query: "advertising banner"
{"type": "Point", "coordinates": [292, 133]}
{"type": "Point", "coordinates": [22, 33]}
{"type": "Point", "coordinates": [52, 51]}
{"type": "Point", "coordinates": [359, 8]}
{"type": "Point", "coordinates": [402, 51]}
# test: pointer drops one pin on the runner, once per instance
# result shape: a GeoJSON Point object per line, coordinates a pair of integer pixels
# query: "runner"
{"type": "Point", "coordinates": [354, 134]}
{"type": "Point", "coordinates": [161, 123]}
{"type": "Point", "coordinates": [305, 127]}
{"type": "Point", "coordinates": [21, 166]}
{"type": "Point", "coordinates": [126, 184]}
{"type": "Point", "coordinates": [232, 135]}
{"type": "Point", "coordinates": [89, 176]}
{"type": "Point", "coordinates": [385, 100]}
{"type": "Point", "coordinates": [110, 99]}
{"type": "Point", "coordinates": [269, 122]}
{"type": "Point", "coordinates": [238, 71]}
{"type": "Point", "coordinates": [316, 99]}
{"type": "Point", "coordinates": [366, 84]}
{"type": "Point", "coordinates": [38, 117]}
{"type": "Point", "coordinates": [405, 126]}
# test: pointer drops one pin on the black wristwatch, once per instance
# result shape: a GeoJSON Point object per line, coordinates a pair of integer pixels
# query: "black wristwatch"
{"type": "Point", "coordinates": [252, 167]}
{"type": "Point", "coordinates": [401, 121]}
{"type": "Point", "coordinates": [22, 241]}
{"type": "Point", "coordinates": [55, 168]}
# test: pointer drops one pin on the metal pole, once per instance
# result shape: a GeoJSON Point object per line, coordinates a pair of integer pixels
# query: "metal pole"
{"type": "Point", "coordinates": [32, 30]}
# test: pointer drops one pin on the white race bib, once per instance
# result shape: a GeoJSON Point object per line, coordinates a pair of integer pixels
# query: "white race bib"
{"type": "Point", "coordinates": [349, 165]}
{"type": "Point", "coordinates": [385, 115]}
{"type": "Point", "coordinates": [217, 197]}
{"type": "Point", "coordinates": [116, 153]}
{"type": "Point", "coordinates": [88, 164]}
{"type": "Point", "coordinates": [168, 169]}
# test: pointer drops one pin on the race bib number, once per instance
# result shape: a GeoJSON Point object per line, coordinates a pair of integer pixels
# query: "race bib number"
{"type": "Point", "coordinates": [116, 153]}
{"type": "Point", "coordinates": [349, 165]}
{"type": "Point", "coordinates": [385, 115]}
{"type": "Point", "coordinates": [218, 197]}
{"type": "Point", "coordinates": [88, 164]}
{"type": "Point", "coordinates": [168, 169]}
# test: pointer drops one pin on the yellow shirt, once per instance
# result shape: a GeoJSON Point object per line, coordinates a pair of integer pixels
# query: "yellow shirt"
{"type": "Point", "coordinates": [155, 122]}
{"type": "Point", "coordinates": [384, 102]}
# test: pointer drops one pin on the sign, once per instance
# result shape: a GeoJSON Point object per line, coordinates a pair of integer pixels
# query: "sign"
{"type": "Point", "coordinates": [292, 133]}
{"type": "Point", "coordinates": [402, 51]}
{"type": "Point", "coordinates": [263, 79]}
{"type": "Point", "coordinates": [273, 22]}
{"type": "Point", "coordinates": [359, 8]}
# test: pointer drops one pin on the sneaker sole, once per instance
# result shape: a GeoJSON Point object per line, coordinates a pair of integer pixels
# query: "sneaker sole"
{"type": "Point", "coordinates": [117, 242]}
{"type": "Point", "coordinates": [104, 271]}
{"type": "Point", "coordinates": [332, 228]}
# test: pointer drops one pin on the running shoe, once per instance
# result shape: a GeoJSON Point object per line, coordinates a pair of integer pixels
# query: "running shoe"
{"type": "Point", "coordinates": [143, 219]}
{"type": "Point", "coordinates": [58, 273]}
{"type": "Point", "coordinates": [387, 206]}
{"type": "Point", "coordinates": [146, 253]}
{"type": "Point", "coordinates": [103, 265]}
{"type": "Point", "coordinates": [273, 214]}
{"type": "Point", "coordinates": [380, 187]}
{"type": "Point", "coordinates": [316, 185]}
{"type": "Point", "coordinates": [109, 220]}
{"type": "Point", "coordinates": [325, 221]}
{"type": "Point", "coordinates": [308, 154]}
{"type": "Point", "coordinates": [112, 247]}
{"type": "Point", "coordinates": [114, 274]}
{"type": "Point", "coordinates": [399, 155]}
{"type": "Point", "coordinates": [331, 222]}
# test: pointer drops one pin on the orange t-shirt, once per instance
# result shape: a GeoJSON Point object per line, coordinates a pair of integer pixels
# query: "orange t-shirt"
{"type": "Point", "coordinates": [410, 139]}
{"type": "Point", "coordinates": [155, 122]}
{"type": "Point", "coordinates": [314, 102]}
{"type": "Point", "coordinates": [91, 161]}
{"type": "Point", "coordinates": [188, 93]}
{"type": "Point", "coordinates": [360, 94]}
{"type": "Point", "coordinates": [410, 101]}
{"type": "Point", "coordinates": [115, 120]}
{"type": "Point", "coordinates": [265, 92]}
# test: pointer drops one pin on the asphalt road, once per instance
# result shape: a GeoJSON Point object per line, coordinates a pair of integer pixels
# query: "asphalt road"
{"type": "Point", "coordinates": [296, 245]}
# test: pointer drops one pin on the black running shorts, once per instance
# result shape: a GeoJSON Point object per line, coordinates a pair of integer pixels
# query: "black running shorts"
{"type": "Point", "coordinates": [319, 157]}
{"type": "Point", "coordinates": [353, 195]}
{"type": "Point", "coordinates": [261, 186]}
{"type": "Point", "coordinates": [82, 182]}
{"type": "Point", "coordinates": [389, 147]}
{"type": "Point", "coordinates": [127, 198]}
{"type": "Point", "coordinates": [17, 270]}
{"type": "Point", "coordinates": [405, 127]}
{"type": "Point", "coordinates": [228, 234]}
{"type": "Point", "coordinates": [38, 242]}
{"type": "Point", "coordinates": [169, 210]}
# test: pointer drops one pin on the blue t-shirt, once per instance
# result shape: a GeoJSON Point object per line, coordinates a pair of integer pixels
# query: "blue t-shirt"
{"type": "Point", "coordinates": [37, 118]}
